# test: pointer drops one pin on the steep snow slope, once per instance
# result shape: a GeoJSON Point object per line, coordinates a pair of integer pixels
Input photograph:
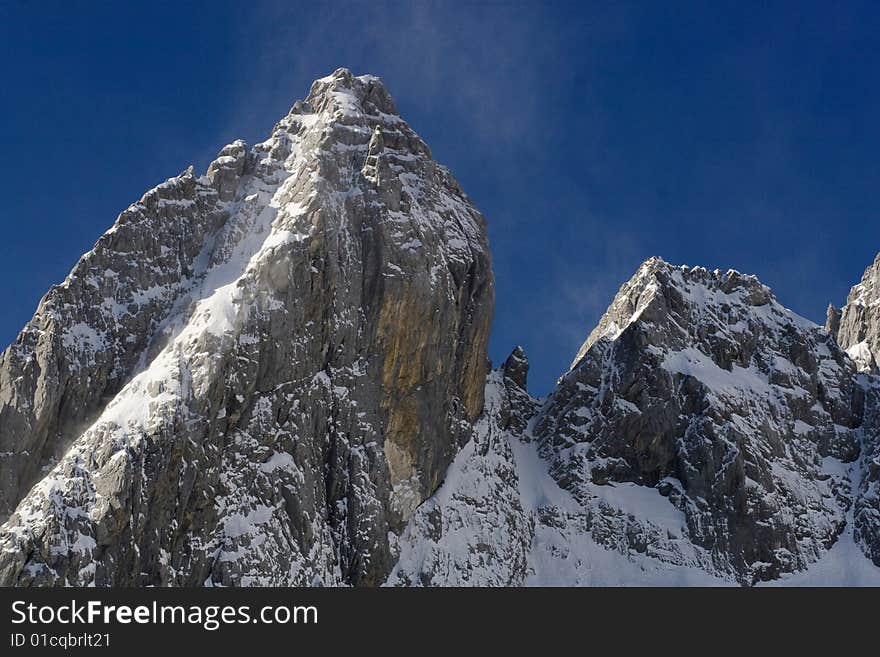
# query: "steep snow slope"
{"type": "Point", "coordinates": [90, 332]}
{"type": "Point", "coordinates": [846, 563]}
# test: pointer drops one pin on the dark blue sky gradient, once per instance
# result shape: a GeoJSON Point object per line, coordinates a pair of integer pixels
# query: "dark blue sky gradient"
{"type": "Point", "coordinates": [591, 136]}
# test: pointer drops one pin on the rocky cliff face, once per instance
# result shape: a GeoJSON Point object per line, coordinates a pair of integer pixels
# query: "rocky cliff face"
{"type": "Point", "coordinates": [276, 374]}
{"type": "Point", "coordinates": [256, 375]}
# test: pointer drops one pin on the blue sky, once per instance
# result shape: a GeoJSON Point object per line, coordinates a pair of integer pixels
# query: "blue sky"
{"type": "Point", "coordinates": [591, 135]}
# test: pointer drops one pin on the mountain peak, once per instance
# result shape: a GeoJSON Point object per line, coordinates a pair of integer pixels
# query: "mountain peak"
{"type": "Point", "coordinates": [309, 315]}
{"type": "Point", "coordinates": [659, 291]}
{"type": "Point", "coordinates": [362, 94]}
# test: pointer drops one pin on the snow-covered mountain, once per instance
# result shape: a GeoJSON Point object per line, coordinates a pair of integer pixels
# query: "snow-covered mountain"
{"type": "Point", "coordinates": [258, 374]}
{"type": "Point", "coordinates": [276, 374]}
{"type": "Point", "coordinates": [704, 435]}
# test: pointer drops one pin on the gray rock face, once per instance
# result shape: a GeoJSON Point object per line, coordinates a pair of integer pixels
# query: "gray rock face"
{"type": "Point", "coordinates": [866, 512]}
{"type": "Point", "coordinates": [257, 375]}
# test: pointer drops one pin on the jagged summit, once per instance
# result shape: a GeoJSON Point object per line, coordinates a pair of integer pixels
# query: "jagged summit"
{"type": "Point", "coordinates": [351, 94]}
{"type": "Point", "coordinates": [694, 378]}
{"type": "Point", "coordinates": [659, 290]}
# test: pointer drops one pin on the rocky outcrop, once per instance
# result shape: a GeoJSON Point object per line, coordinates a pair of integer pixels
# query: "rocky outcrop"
{"type": "Point", "coordinates": [91, 332]}
{"type": "Point", "coordinates": [477, 530]}
{"type": "Point", "coordinates": [866, 511]}
{"type": "Point", "coordinates": [516, 368]}
{"type": "Point", "coordinates": [832, 320]}
{"type": "Point", "coordinates": [257, 375]}
{"type": "Point", "coordinates": [858, 328]}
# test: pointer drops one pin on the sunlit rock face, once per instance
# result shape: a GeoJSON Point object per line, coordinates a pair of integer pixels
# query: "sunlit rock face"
{"type": "Point", "coordinates": [256, 375]}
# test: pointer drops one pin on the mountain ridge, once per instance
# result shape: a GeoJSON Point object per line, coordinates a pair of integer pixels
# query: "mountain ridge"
{"type": "Point", "coordinates": [276, 374]}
